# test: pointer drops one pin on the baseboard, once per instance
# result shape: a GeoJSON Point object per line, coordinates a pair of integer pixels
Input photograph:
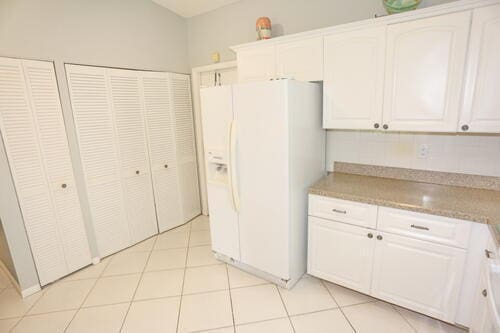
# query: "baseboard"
{"type": "Point", "coordinates": [24, 292]}
{"type": "Point", "coordinates": [30, 291]}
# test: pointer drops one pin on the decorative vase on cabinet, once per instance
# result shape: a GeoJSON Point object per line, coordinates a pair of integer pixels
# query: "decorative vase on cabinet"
{"type": "Point", "coordinates": [399, 6]}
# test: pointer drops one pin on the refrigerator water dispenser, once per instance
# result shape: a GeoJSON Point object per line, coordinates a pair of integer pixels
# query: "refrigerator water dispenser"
{"type": "Point", "coordinates": [217, 167]}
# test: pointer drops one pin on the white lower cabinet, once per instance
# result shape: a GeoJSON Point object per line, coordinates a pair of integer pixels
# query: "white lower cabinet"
{"type": "Point", "coordinates": [419, 275]}
{"type": "Point", "coordinates": [341, 253]}
{"type": "Point", "coordinates": [401, 266]}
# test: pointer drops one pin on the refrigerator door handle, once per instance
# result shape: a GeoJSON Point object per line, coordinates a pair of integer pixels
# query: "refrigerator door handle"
{"type": "Point", "coordinates": [229, 166]}
{"type": "Point", "coordinates": [232, 163]}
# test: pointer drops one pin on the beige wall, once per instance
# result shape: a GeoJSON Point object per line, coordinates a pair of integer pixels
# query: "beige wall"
{"type": "Point", "coordinates": [235, 24]}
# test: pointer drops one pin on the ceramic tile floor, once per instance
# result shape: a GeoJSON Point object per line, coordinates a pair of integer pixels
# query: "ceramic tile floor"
{"type": "Point", "coordinates": [172, 283]}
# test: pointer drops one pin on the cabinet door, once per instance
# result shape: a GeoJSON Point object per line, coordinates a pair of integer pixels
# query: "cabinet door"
{"type": "Point", "coordinates": [301, 60]}
{"type": "Point", "coordinates": [130, 132]}
{"type": "Point", "coordinates": [340, 253]}
{"type": "Point", "coordinates": [95, 131]}
{"type": "Point", "coordinates": [258, 64]}
{"type": "Point", "coordinates": [353, 79]}
{"type": "Point", "coordinates": [418, 275]}
{"type": "Point", "coordinates": [481, 111]}
{"type": "Point", "coordinates": [180, 94]}
{"type": "Point", "coordinates": [424, 73]}
{"type": "Point", "coordinates": [161, 144]}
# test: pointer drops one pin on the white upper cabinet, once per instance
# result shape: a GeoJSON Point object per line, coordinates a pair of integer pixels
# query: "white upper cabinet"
{"type": "Point", "coordinates": [481, 110]}
{"type": "Point", "coordinates": [301, 60]}
{"type": "Point", "coordinates": [353, 79]}
{"type": "Point", "coordinates": [257, 64]}
{"type": "Point", "coordinates": [424, 73]}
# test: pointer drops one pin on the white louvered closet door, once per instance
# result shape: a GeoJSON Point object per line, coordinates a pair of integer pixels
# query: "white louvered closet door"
{"type": "Point", "coordinates": [133, 151]}
{"type": "Point", "coordinates": [162, 150]}
{"type": "Point", "coordinates": [91, 104]}
{"type": "Point", "coordinates": [35, 140]}
{"type": "Point", "coordinates": [180, 89]}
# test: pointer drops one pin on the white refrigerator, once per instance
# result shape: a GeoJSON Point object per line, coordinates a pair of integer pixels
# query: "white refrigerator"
{"type": "Point", "coordinates": [264, 146]}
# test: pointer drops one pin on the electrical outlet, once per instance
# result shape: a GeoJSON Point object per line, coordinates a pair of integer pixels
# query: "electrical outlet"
{"type": "Point", "coordinates": [423, 151]}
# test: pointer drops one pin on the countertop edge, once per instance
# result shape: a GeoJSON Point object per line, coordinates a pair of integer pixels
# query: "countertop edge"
{"type": "Point", "coordinates": [390, 204]}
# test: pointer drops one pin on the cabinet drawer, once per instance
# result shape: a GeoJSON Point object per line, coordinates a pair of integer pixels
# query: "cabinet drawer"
{"type": "Point", "coordinates": [351, 212]}
{"type": "Point", "coordinates": [437, 229]}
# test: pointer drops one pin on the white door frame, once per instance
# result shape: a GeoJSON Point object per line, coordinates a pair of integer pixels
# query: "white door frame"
{"type": "Point", "coordinates": [195, 85]}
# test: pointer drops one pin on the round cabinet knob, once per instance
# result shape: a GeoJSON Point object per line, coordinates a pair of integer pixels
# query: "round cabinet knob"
{"type": "Point", "coordinates": [465, 128]}
{"type": "Point", "coordinates": [379, 237]}
{"type": "Point", "coordinates": [376, 125]}
{"type": "Point", "coordinates": [64, 185]}
{"type": "Point", "coordinates": [166, 166]}
{"type": "Point", "coordinates": [137, 172]}
{"type": "Point", "coordinates": [370, 235]}
{"type": "Point", "coordinates": [385, 126]}
{"type": "Point", "coordinates": [484, 292]}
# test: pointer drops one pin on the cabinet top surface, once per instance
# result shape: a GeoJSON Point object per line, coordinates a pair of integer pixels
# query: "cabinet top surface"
{"type": "Point", "coordinates": [477, 205]}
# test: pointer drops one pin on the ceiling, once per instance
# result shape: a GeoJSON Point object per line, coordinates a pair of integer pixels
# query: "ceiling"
{"type": "Point", "coordinates": [189, 8]}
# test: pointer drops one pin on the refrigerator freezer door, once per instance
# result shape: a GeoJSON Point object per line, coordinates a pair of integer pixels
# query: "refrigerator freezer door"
{"type": "Point", "coordinates": [261, 169]}
{"type": "Point", "coordinates": [217, 117]}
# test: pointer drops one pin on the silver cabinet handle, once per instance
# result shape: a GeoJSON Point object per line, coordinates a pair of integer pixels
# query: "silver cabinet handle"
{"type": "Point", "coordinates": [419, 227]}
{"type": "Point", "coordinates": [64, 185]}
{"type": "Point", "coordinates": [137, 172]}
{"type": "Point", "coordinates": [488, 253]}
{"type": "Point", "coordinates": [484, 292]}
{"type": "Point", "coordinates": [339, 211]}
{"type": "Point", "coordinates": [370, 235]}
{"type": "Point", "coordinates": [379, 237]}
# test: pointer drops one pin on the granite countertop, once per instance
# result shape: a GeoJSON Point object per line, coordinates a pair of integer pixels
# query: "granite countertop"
{"type": "Point", "coordinates": [477, 205]}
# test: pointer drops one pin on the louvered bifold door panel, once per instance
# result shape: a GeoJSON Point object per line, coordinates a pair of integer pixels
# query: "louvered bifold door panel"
{"type": "Point", "coordinates": [133, 152]}
{"type": "Point", "coordinates": [162, 151]}
{"type": "Point", "coordinates": [180, 88]}
{"type": "Point", "coordinates": [19, 133]}
{"type": "Point", "coordinates": [44, 95]}
{"type": "Point", "coordinates": [93, 118]}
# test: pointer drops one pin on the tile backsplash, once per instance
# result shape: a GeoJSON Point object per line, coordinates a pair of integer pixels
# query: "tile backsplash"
{"type": "Point", "coordinates": [470, 154]}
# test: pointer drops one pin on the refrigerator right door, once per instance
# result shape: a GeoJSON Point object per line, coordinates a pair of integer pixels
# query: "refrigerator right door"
{"type": "Point", "coordinates": [260, 135]}
{"type": "Point", "coordinates": [217, 118]}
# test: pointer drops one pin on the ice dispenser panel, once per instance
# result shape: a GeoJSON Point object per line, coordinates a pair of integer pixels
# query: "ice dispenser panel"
{"type": "Point", "coordinates": [217, 167]}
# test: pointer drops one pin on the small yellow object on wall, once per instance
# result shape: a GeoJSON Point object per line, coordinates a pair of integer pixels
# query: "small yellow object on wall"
{"type": "Point", "coordinates": [215, 57]}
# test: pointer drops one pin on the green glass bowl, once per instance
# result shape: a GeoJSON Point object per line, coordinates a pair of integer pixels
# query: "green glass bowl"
{"type": "Point", "coordinates": [399, 6]}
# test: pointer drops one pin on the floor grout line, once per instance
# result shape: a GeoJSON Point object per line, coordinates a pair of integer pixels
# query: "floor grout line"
{"type": "Point", "coordinates": [284, 306]}
{"type": "Point", "coordinates": [136, 288]}
{"type": "Point", "coordinates": [339, 307]}
{"type": "Point", "coordinates": [230, 298]}
{"type": "Point", "coordinates": [407, 321]}
{"type": "Point", "coordinates": [183, 281]}
{"type": "Point", "coordinates": [86, 296]}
